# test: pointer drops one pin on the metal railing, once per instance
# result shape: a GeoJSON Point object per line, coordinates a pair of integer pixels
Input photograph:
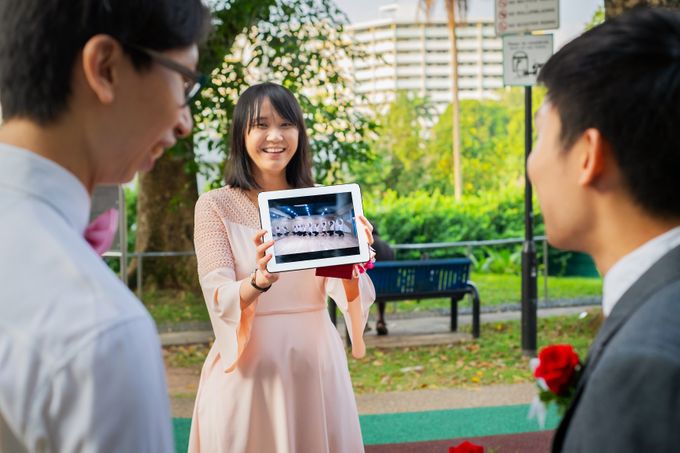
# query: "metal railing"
{"type": "Point", "coordinates": [467, 245]}
{"type": "Point", "coordinates": [470, 245]}
{"type": "Point", "coordinates": [140, 263]}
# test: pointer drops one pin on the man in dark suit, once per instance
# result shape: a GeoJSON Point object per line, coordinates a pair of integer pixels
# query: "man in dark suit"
{"type": "Point", "coordinates": [606, 167]}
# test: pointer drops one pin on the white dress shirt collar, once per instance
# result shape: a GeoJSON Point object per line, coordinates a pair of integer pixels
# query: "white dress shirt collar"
{"type": "Point", "coordinates": [630, 268]}
{"type": "Point", "coordinates": [26, 171]}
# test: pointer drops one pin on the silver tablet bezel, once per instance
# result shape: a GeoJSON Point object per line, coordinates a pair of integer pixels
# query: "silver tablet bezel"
{"type": "Point", "coordinates": [263, 200]}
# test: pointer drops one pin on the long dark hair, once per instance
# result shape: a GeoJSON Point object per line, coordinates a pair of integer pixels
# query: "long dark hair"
{"type": "Point", "coordinates": [238, 171]}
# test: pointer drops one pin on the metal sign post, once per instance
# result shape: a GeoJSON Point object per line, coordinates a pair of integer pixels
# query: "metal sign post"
{"type": "Point", "coordinates": [523, 57]}
{"type": "Point", "coordinates": [529, 262]}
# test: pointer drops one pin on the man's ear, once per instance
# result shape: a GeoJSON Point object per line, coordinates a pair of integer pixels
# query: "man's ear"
{"type": "Point", "coordinates": [100, 59]}
{"type": "Point", "coordinates": [593, 148]}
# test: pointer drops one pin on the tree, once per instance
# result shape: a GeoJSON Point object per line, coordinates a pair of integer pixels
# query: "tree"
{"type": "Point", "coordinates": [411, 154]}
{"type": "Point", "coordinates": [615, 7]}
{"type": "Point", "coordinates": [298, 43]}
{"type": "Point", "coordinates": [398, 158]}
{"type": "Point", "coordinates": [485, 146]}
{"type": "Point", "coordinates": [493, 146]}
{"type": "Point", "coordinates": [461, 5]}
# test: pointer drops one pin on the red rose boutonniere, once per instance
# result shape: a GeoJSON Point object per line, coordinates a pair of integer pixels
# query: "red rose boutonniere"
{"type": "Point", "coordinates": [466, 447]}
{"type": "Point", "coordinates": [557, 371]}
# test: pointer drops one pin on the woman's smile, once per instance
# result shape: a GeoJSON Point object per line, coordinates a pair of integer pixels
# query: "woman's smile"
{"type": "Point", "coordinates": [273, 150]}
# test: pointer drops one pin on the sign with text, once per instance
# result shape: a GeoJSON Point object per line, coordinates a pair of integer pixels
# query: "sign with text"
{"type": "Point", "coordinates": [521, 16]}
{"type": "Point", "coordinates": [523, 57]}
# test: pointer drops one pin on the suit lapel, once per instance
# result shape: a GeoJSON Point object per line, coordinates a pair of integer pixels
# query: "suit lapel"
{"type": "Point", "coordinates": [662, 273]}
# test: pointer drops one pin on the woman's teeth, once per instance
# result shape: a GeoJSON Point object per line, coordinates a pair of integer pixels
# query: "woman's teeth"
{"type": "Point", "coordinates": [273, 150]}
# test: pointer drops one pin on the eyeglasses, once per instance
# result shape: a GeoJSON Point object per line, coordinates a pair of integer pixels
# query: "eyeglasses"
{"type": "Point", "coordinates": [193, 80]}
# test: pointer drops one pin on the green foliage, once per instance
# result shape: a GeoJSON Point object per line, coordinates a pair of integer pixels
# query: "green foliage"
{"type": "Point", "coordinates": [407, 185]}
{"type": "Point", "coordinates": [597, 19]}
{"type": "Point", "coordinates": [299, 44]}
{"type": "Point", "coordinates": [503, 289]}
{"type": "Point", "coordinates": [168, 307]}
{"type": "Point", "coordinates": [432, 217]}
{"type": "Point", "coordinates": [500, 261]}
{"type": "Point", "coordinates": [398, 157]}
{"type": "Point", "coordinates": [131, 215]}
{"type": "Point", "coordinates": [496, 358]}
{"type": "Point", "coordinates": [424, 217]}
{"type": "Point", "coordinates": [131, 219]}
{"type": "Point", "coordinates": [408, 155]}
{"type": "Point", "coordinates": [484, 144]}
{"type": "Point", "coordinates": [492, 143]}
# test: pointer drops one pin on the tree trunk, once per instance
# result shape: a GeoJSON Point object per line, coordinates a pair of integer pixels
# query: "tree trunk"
{"type": "Point", "coordinates": [455, 106]}
{"type": "Point", "coordinates": [450, 6]}
{"type": "Point", "coordinates": [615, 7]}
{"type": "Point", "coordinates": [165, 222]}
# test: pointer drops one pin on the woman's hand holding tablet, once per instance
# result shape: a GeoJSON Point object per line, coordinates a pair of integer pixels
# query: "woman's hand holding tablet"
{"type": "Point", "coordinates": [314, 227]}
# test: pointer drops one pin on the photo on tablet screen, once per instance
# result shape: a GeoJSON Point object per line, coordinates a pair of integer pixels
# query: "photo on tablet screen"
{"type": "Point", "coordinates": [313, 227]}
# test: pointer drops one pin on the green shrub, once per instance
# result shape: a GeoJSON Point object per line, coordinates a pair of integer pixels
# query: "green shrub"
{"type": "Point", "coordinates": [500, 261]}
{"type": "Point", "coordinates": [429, 217]}
{"type": "Point", "coordinates": [424, 217]}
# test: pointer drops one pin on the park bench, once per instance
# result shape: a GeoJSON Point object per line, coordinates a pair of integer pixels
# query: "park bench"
{"type": "Point", "coordinates": [426, 279]}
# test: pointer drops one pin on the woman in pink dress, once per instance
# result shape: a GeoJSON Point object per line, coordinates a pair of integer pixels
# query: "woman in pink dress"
{"type": "Point", "coordinates": [276, 378]}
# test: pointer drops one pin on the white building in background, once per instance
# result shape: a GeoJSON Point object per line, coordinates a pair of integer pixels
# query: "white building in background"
{"type": "Point", "coordinates": [406, 52]}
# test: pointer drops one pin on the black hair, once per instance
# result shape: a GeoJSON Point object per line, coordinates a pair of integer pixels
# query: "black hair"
{"type": "Point", "coordinates": [623, 79]}
{"type": "Point", "coordinates": [41, 40]}
{"type": "Point", "coordinates": [238, 171]}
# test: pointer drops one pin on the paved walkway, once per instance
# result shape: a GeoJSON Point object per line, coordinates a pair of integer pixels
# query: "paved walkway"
{"type": "Point", "coordinates": [182, 384]}
{"type": "Point", "coordinates": [441, 399]}
{"type": "Point", "coordinates": [418, 330]}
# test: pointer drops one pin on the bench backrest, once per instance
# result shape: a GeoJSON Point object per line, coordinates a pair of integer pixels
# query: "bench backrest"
{"type": "Point", "coordinates": [395, 278]}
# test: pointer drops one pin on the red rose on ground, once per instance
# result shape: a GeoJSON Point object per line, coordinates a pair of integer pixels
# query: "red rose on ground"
{"type": "Point", "coordinates": [557, 366]}
{"type": "Point", "coordinates": [466, 447]}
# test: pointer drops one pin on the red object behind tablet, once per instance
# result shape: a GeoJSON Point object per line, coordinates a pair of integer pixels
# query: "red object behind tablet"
{"type": "Point", "coordinates": [342, 271]}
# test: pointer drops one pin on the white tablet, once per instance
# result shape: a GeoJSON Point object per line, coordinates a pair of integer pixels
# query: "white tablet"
{"type": "Point", "coordinates": [313, 227]}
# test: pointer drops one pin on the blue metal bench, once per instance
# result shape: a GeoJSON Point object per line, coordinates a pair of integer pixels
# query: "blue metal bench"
{"type": "Point", "coordinates": [426, 279]}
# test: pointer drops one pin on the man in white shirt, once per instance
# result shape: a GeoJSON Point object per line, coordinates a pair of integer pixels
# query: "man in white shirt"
{"type": "Point", "coordinates": [91, 91]}
{"type": "Point", "coordinates": [606, 167]}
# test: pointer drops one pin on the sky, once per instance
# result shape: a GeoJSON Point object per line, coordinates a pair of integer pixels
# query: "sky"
{"type": "Point", "coordinates": [574, 14]}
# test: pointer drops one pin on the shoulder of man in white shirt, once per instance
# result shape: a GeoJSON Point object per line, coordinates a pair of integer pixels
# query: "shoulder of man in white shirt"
{"type": "Point", "coordinates": [82, 347]}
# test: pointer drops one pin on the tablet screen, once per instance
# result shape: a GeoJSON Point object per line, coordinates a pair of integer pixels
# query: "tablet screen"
{"type": "Point", "coordinates": [313, 229]}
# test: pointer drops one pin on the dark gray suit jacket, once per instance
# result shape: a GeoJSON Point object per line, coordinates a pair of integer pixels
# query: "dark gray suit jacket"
{"type": "Point", "coordinates": [628, 399]}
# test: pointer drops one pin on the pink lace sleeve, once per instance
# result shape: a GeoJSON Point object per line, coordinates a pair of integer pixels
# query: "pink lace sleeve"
{"type": "Point", "coordinates": [217, 277]}
{"type": "Point", "coordinates": [211, 240]}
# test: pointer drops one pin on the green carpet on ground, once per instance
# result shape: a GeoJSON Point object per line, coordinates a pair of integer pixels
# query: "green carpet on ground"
{"type": "Point", "coordinates": [447, 424]}
{"type": "Point", "coordinates": [181, 427]}
{"type": "Point", "coordinates": [427, 425]}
